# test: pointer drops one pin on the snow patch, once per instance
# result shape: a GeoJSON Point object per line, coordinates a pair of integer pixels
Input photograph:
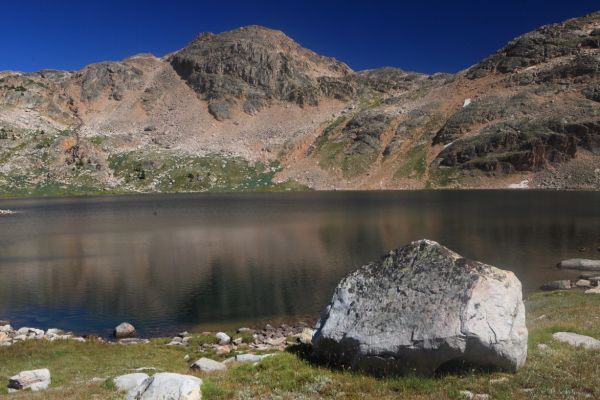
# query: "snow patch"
{"type": "Point", "coordinates": [467, 102]}
{"type": "Point", "coordinates": [521, 185]}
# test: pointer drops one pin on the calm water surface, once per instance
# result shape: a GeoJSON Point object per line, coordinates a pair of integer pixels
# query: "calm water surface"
{"type": "Point", "coordinates": [170, 262]}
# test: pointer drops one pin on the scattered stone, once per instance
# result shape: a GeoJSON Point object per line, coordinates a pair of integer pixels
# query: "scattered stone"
{"type": "Point", "coordinates": [208, 365]}
{"type": "Point", "coordinates": [186, 357]}
{"type": "Point", "coordinates": [7, 212]}
{"type": "Point", "coordinates": [542, 347]}
{"type": "Point", "coordinates": [130, 341]}
{"type": "Point", "coordinates": [580, 264]}
{"type": "Point", "coordinates": [166, 385]}
{"type": "Point", "coordinates": [305, 337]}
{"type": "Point", "coordinates": [222, 350]}
{"type": "Point", "coordinates": [583, 283]}
{"type": "Point", "coordinates": [420, 307]}
{"type": "Point", "coordinates": [35, 380]}
{"type": "Point", "coordinates": [242, 330]}
{"type": "Point", "coordinates": [125, 383]}
{"type": "Point", "coordinates": [595, 290]}
{"type": "Point", "coordinates": [470, 395]}
{"type": "Point", "coordinates": [237, 341]}
{"type": "Point", "coordinates": [502, 379]}
{"type": "Point", "coordinates": [223, 338]}
{"type": "Point", "coordinates": [124, 330]}
{"type": "Point", "coordinates": [557, 285]}
{"type": "Point", "coordinates": [577, 340]}
{"type": "Point", "coordinates": [251, 357]}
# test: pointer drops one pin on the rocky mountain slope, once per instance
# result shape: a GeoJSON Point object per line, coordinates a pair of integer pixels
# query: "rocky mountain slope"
{"type": "Point", "coordinates": [250, 109]}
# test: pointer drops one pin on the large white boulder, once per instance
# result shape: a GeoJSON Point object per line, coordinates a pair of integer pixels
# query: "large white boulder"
{"type": "Point", "coordinates": [421, 308]}
{"type": "Point", "coordinates": [124, 330]}
{"type": "Point", "coordinates": [37, 379]}
{"type": "Point", "coordinates": [167, 386]}
{"type": "Point", "coordinates": [577, 340]}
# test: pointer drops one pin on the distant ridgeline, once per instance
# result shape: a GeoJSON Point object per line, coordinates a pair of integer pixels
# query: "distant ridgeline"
{"type": "Point", "coordinates": [251, 110]}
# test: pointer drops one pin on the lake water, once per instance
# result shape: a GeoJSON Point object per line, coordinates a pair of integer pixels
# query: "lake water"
{"type": "Point", "coordinates": [172, 262]}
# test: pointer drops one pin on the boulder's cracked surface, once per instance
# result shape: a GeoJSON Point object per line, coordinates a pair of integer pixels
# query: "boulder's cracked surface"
{"type": "Point", "coordinates": [421, 308]}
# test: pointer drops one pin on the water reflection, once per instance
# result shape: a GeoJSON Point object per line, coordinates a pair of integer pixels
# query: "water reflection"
{"type": "Point", "coordinates": [167, 262]}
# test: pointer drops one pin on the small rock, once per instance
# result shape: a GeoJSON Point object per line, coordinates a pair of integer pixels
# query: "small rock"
{"type": "Point", "coordinates": [557, 285]}
{"type": "Point", "coordinates": [542, 347]}
{"type": "Point", "coordinates": [499, 380]}
{"type": "Point", "coordinates": [251, 357]}
{"type": "Point", "coordinates": [124, 330]}
{"type": "Point", "coordinates": [6, 328]}
{"type": "Point", "coordinates": [166, 385]}
{"type": "Point", "coordinates": [38, 379]}
{"type": "Point", "coordinates": [186, 357]}
{"type": "Point", "coordinates": [208, 365]}
{"type": "Point", "coordinates": [237, 341]}
{"type": "Point", "coordinates": [583, 283]}
{"type": "Point", "coordinates": [242, 330]}
{"type": "Point", "coordinates": [133, 341]}
{"type": "Point", "coordinates": [305, 337]}
{"type": "Point", "coordinates": [577, 340]}
{"type": "Point", "coordinates": [223, 338]}
{"type": "Point", "coordinates": [125, 383]}
{"type": "Point", "coordinates": [221, 350]}
{"type": "Point", "coordinates": [580, 264]}
{"type": "Point", "coordinates": [595, 290]}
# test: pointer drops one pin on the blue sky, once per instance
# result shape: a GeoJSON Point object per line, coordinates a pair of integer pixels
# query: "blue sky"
{"type": "Point", "coordinates": [424, 36]}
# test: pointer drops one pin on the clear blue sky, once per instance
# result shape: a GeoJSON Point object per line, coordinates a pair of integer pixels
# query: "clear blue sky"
{"type": "Point", "coordinates": [425, 36]}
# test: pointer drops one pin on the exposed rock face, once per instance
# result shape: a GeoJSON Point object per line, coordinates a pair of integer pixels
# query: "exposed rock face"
{"type": "Point", "coordinates": [550, 41]}
{"type": "Point", "coordinates": [253, 65]}
{"type": "Point", "coordinates": [421, 308]}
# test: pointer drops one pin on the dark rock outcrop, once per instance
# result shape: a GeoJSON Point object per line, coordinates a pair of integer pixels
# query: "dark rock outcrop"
{"type": "Point", "coordinates": [253, 65]}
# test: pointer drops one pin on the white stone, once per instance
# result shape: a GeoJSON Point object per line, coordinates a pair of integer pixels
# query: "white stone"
{"type": "Point", "coordinates": [577, 340]}
{"type": "Point", "coordinates": [125, 383]}
{"type": "Point", "coordinates": [124, 330]}
{"type": "Point", "coordinates": [208, 365]}
{"type": "Point", "coordinates": [223, 338]}
{"type": "Point", "coordinates": [6, 328]}
{"type": "Point", "coordinates": [35, 380]}
{"type": "Point", "coordinates": [521, 185]}
{"type": "Point", "coordinates": [167, 386]}
{"type": "Point", "coordinates": [595, 290]}
{"type": "Point", "coordinates": [466, 102]}
{"type": "Point", "coordinates": [251, 357]}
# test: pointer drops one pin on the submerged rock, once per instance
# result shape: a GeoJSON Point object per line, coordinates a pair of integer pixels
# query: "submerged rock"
{"type": "Point", "coordinates": [35, 380]}
{"type": "Point", "coordinates": [581, 264]}
{"type": "Point", "coordinates": [421, 308]}
{"type": "Point", "coordinates": [557, 285]}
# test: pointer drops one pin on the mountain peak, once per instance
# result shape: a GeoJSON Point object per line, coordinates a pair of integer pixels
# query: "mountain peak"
{"type": "Point", "coordinates": [251, 66]}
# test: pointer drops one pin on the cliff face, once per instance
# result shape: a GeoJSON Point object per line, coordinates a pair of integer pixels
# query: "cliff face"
{"type": "Point", "coordinates": [250, 109]}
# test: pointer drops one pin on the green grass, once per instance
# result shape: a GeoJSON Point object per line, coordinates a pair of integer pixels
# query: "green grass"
{"type": "Point", "coordinates": [561, 372]}
{"type": "Point", "coordinates": [440, 177]}
{"type": "Point", "coordinates": [414, 164]}
{"type": "Point", "coordinates": [172, 172]}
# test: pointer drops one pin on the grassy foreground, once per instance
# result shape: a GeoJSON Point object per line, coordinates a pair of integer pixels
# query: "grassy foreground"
{"type": "Point", "coordinates": [558, 372]}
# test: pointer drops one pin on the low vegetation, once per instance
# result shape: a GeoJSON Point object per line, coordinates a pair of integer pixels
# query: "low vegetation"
{"type": "Point", "coordinates": [555, 372]}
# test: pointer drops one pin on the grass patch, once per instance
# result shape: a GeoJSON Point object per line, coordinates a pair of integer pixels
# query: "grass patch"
{"type": "Point", "coordinates": [172, 172]}
{"type": "Point", "coordinates": [443, 177]}
{"type": "Point", "coordinates": [414, 164]}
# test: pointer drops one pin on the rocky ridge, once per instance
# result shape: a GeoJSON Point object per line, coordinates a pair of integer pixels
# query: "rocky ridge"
{"type": "Point", "coordinates": [250, 110]}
